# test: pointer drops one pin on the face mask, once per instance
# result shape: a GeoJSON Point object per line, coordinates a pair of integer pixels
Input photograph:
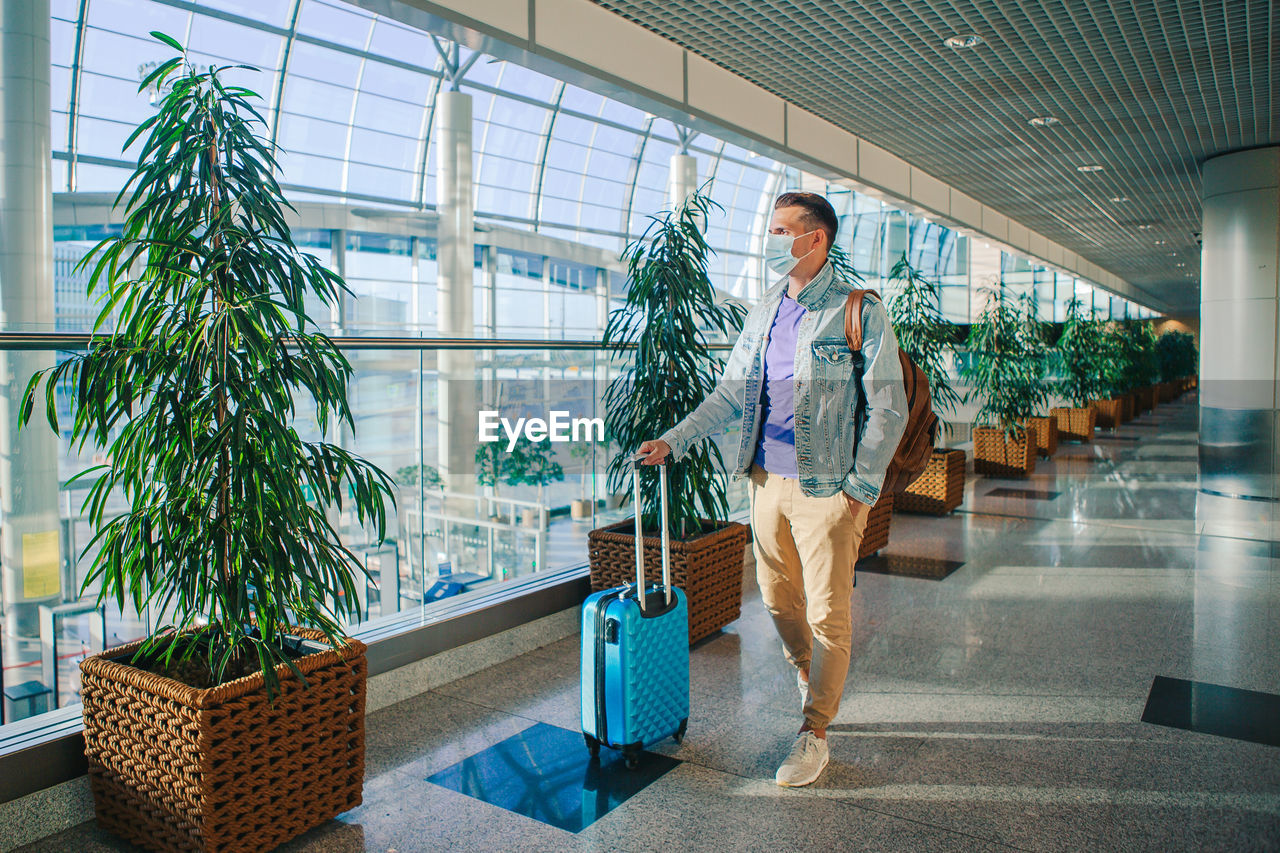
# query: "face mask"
{"type": "Point", "coordinates": [777, 252]}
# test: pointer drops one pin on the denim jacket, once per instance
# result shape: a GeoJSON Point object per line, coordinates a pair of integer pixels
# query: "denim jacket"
{"type": "Point", "coordinates": [846, 431]}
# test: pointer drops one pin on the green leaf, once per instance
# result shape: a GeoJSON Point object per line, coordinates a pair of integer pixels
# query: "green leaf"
{"type": "Point", "coordinates": [193, 395]}
{"type": "Point", "coordinates": [169, 40]}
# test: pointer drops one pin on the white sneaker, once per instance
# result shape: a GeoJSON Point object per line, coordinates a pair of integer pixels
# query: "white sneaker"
{"type": "Point", "coordinates": [806, 762]}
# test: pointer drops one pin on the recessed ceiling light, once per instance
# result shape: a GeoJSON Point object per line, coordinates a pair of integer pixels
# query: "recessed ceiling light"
{"type": "Point", "coordinates": [1179, 265]}
{"type": "Point", "coordinates": [961, 42]}
{"type": "Point", "coordinates": [1173, 254]}
{"type": "Point", "coordinates": [1042, 121]}
{"type": "Point", "coordinates": [1146, 226]}
{"type": "Point", "coordinates": [1119, 199]}
{"type": "Point", "coordinates": [1091, 167]}
{"type": "Point", "coordinates": [1162, 242]}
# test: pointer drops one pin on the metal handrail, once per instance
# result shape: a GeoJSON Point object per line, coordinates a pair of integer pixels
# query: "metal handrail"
{"type": "Point", "coordinates": [82, 340]}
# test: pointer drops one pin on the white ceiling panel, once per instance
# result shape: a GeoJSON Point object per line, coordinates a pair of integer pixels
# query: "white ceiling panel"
{"type": "Point", "coordinates": [1147, 89]}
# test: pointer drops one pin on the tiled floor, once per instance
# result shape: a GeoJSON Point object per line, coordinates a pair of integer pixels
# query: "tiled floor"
{"type": "Point", "coordinates": [998, 707]}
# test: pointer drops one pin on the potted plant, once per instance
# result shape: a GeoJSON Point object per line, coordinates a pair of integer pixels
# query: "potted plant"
{"type": "Point", "coordinates": [241, 723]}
{"type": "Point", "coordinates": [581, 507]}
{"type": "Point", "coordinates": [532, 463]}
{"type": "Point", "coordinates": [1113, 373]}
{"type": "Point", "coordinates": [1006, 380]}
{"type": "Point", "coordinates": [1176, 355]}
{"type": "Point", "coordinates": [1080, 383]}
{"type": "Point", "coordinates": [1044, 427]}
{"type": "Point", "coordinates": [493, 467]}
{"type": "Point", "coordinates": [410, 475]}
{"type": "Point", "coordinates": [612, 499]}
{"type": "Point", "coordinates": [925, 335]}
{"type": "Point", "coordinates": [1146, 362]}
{"type": "Point", "coordinates": [670, 311]}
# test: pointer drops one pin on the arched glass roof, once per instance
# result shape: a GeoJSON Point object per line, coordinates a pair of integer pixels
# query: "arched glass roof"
{"type": "Point", "coordinates": [349, 96]}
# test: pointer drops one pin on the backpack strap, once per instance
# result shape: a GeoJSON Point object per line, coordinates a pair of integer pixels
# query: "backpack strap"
{"type": "Point", "coordinates": [853, 318]}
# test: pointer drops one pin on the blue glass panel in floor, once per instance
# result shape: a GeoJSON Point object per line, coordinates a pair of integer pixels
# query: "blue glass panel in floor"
{"type": "Point", "coordinates": [1214, 709]}
{"type": "Point", "coordinates": [546, 773]}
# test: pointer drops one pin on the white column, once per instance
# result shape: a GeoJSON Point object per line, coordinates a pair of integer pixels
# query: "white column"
{"type": "Point", "coordinates": [1239, 350]}
{"type": "Point", "coordinates": [546, 298]}
{"type": "Point", "coordinates": [28, 458]}
{"type": "Point", "coordinates": [1233, 619]}
{"type": "Point", "coordinates": [491, 291]}
{"type": "Point", "coordinates": [455, 289]}
{"type": "Point", "coordinates": [684, 178]}
{"type": "Point", "coordinates": [602, 300]}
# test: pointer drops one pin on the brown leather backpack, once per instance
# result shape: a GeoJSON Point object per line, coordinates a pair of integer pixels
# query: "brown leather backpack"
{"type": "Point", "coordinates": [916, 446]}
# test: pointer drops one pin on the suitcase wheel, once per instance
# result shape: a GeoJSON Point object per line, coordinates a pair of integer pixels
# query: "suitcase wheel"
{"type": "Point", "coordinates": [593, 745]}
{"type": "Point", "coordinates": [631, 759]}
{"type": "Point", "coordinates": [679, 735]}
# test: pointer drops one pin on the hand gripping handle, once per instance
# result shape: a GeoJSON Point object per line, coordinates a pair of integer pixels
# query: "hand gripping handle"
{"type": "Point", "coordinates": [666, 530]}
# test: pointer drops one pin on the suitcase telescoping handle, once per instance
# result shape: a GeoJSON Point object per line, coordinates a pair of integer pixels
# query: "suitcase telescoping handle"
{"type": "Point", "coordinates": [666, 530]}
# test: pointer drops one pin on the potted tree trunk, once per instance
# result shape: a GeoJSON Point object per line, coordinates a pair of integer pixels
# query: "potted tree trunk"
{"type": "Point", "coordinates": [670, 310]}
{"type": "Point", "coordinates": [925, 335]}
{"type": "Point", "coordinates": [1008, 385]}
{"type": "Point", "coordinates": [1078, 356]}
{"type": "Point", "coordinates": [241, 723]}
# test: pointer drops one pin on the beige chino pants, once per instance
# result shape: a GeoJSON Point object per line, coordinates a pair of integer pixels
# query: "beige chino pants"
{"type": "Point", "coordinates": [805, 549]}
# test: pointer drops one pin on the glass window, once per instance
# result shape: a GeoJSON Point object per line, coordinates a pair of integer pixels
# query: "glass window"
{"type": "Point", "coordinates": [231, 42]}
{"type": "Point", "coordinates": [337, 23]}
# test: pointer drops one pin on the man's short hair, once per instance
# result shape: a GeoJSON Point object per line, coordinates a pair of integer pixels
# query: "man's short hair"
{"type": "Point", "coordinates": [818, 212]}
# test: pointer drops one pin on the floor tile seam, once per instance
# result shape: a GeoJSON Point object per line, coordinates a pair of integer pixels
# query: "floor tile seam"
{"type": "Point", "coordinates": [1015, 645]}
{"type": "Point", "coordinates": [1097, 522]}
{"type": "Point", "coordinates": [949, 830]}
{"type": "Point", "coordinates": [1116, 695]}
{"type": "Point", "coordinates": [849, 804]}
{"type": "Point", "coordinates": [1110, 787]}
{"type": "Point", "coordinates": [1110, 523]}
{"type": "Point", "coordinates": [473, 703]}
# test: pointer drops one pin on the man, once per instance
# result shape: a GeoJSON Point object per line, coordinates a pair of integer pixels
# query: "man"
{"type": "Point", "coordinates": [815, 444]}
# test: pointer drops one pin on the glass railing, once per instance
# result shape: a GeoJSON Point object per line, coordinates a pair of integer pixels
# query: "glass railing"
{"type": "Point", "coordinates": [460, 529]}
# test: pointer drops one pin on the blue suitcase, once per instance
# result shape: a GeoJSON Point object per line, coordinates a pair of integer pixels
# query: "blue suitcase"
{"type": "Point", "coordinates": [635, 655]}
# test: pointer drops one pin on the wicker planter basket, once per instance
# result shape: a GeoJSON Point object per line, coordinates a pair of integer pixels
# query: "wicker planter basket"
{"type": "Point", "coordinates": [1046, 433]}
{"type": "Point", "coordinates": [996, 455]}
{"type": "Point", "coordinates": [1145, 398]}
{"type": "Point", "coordinates": [876, 534]}
{"type": "Point", "coordinates": [939, 490]}
{"type": "Point", "coordinates": [708, 568]}
{"type": "Point", "coordinates": [1127, 407]}
{"type": "Point", "coordinates": [1075, 424]}
{"type": "Point", "coordinates": [1109, 412]}
{"type": "Point", "coordinates": [176, 768]}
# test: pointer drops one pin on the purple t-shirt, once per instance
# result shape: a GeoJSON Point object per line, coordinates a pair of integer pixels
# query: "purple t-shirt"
{"type": "Point", "coordinates": [776, 452]}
